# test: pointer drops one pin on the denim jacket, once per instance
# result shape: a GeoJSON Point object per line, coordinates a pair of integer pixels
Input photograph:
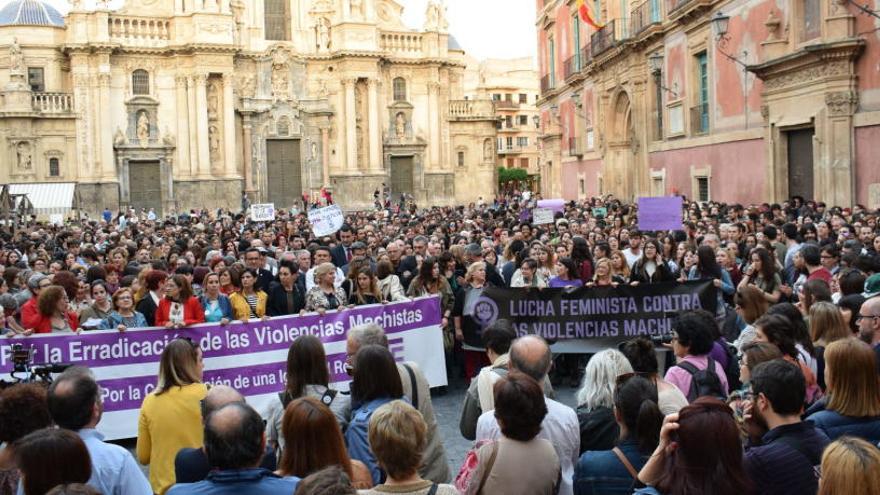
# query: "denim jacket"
{"type": "Point", "coordinates": [600, 472]}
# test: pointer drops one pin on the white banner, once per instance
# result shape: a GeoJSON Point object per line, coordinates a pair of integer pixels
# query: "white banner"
{"type": "Point", "coordinates": [541, 216]}
{"type": "Point", "coordinates": [327, 220]}
{"type": "Point", "coordinates": [263, 212]}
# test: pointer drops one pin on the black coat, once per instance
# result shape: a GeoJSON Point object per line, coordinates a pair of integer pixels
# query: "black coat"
{"type": "Point", "coordinates": [264, 280]}
{"type": "Point", "coordinates": [148, 308]}
{"type": "Point", "coordinates": [276, 303]}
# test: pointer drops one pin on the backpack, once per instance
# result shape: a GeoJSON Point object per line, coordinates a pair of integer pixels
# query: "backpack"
{"type": "Point", "coordinates": [732, 368]}
{"type": "Point", "coordinates": [703, 382]}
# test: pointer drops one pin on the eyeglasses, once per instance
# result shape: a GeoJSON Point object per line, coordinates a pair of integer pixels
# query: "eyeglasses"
{"type": "Point", "coordinates": [860, 317]}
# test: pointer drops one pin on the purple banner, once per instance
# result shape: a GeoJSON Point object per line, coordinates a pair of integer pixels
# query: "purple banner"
{"type": "Point", "coordinates": [662, 213]}
{"type": "Point", "coordinates": [110, 348]}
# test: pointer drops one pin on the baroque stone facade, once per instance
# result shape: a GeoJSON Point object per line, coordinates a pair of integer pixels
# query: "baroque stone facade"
{"type": "Point", "coordinates": [179, 104]}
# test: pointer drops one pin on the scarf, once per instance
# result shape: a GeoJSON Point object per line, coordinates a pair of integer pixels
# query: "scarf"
{"type": "Point", "coordinates": [486, 382]}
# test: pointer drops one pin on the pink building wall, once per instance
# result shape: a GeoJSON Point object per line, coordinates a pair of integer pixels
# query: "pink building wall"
{"type": "Point", "coordinates": [571, 174]}
{"type": "Point", "coordinates": [867, 161]}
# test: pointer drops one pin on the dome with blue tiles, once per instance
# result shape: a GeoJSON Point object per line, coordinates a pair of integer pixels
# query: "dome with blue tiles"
{"type": "Point", "coordinates": [30, 13]}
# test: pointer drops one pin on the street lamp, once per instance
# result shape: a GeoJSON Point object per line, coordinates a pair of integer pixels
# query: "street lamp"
{"type": "Point", "coordinates": [720, 23]}
{"type": "Point", "coordinates": [655, 62]}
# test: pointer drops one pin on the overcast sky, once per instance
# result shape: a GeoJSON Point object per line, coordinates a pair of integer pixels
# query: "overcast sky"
{"type": "Point", "coordinates": [484, 28]}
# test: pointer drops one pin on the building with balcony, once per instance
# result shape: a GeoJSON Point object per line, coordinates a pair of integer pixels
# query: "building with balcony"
{"type": "Point", "coordinates": [179, 104]}
{"type": "Point", "coordinates": [737, 101]}
{"type": "Point", "coordinates": [512, 84]}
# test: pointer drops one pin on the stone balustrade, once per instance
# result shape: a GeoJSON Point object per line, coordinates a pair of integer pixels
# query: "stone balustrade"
{"type": "Point", "coordinates": [143, 31]}
{"type": "Point", "coordinates": [401, 43]}
{"type": "Point", "coordinates": [52, 102]}
{"type": "Point", "coordinates": [471, 109]}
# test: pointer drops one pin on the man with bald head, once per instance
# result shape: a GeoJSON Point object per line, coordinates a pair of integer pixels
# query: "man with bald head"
{"type": "Point", "coordinates": [191, 465]}
{"type": "Point", "coordinates": [235, 441]}
{"type": "Point", "coordinates": [75, 404]}
{"type": "Point", "coordinates": [530, 355]}
{"type": "Point", "coordinates": [868, 321]}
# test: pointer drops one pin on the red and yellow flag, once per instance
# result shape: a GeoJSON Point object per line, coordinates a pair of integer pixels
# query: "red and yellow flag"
{"type": "Point", "coordinates": [586, 15]}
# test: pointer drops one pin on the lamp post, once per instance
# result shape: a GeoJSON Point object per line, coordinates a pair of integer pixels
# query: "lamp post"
{"type": "Point", "coordinates": [720, 23]}
{"type": "Point", "coordinates": [655, 63]}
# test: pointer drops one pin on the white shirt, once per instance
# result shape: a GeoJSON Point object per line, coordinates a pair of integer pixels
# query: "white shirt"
{"type": "Point", "coordinates": [631, 257]}
{"type": "Point", "coordinates": [310, 278]}
{"type": "Point", "coordinates": [560, 427]}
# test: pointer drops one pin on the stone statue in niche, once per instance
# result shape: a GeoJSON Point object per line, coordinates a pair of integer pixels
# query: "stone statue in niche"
{"type": "Point", "coordinates": [488, 154]}
{"type": "Point", "coordinates": [143, 128]}
{"type": "Point", "coordinates": [314, 150]}
{"type": "Point", "coordinates": [400, 125]}
{"type": "Point", "coordinates": [16, 59]}
{"type": "Point", "coordinates": [357, 8]}
{"type": "Point", "coordinates": [322, 34]}
{"type": "Point", "coordinates": [213, 101]}
{"type": "Point", "coordinates": [24, 154]}
{"type": "Point", "coordinates": [214, 142]}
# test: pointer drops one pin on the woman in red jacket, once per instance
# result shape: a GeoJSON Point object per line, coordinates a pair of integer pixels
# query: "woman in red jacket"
{"type": "Point", "coordinates": [179, 307]}
{"type": "Point", "coordinates": [54, 314]}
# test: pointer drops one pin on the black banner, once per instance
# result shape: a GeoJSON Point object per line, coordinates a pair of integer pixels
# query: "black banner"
{"type": "Point", "coordinates": [617, 313]}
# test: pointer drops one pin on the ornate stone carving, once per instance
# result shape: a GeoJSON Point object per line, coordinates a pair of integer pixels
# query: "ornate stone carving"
{"type": "Point", "coordinates": [143, 128]}
{"type": "Point", "coordinates": [280, 74]}
{"type": "Point", "coordinates": [24, 152]}
{"type": "Point", "coordinates": [245, 84]}
{"type": "Point", "coordinates": [842, 103]}
{"type": "Point", "coordinates": [213, 100]}
{"type": "Point", "coordinates": [357, 9]}
{"type": "Point", "coordinates": [119, 137]}
{"type": "Point", "coordinates": [435, 17]}
{"type": "Point", "coordinates": [488, 150]}
{"type": "Point", "coordinates": [214, 142]}
{"type": "Point", "coordinates": [168, 138]}
{"type": "Point", "coordinates": [765, 113]}
{"type": "Point", "coordinates": [400, 125]}
{"type": "Point", "coordinates": [16, 59]}
{"type": "Point", "coordinates": [322, 34]}
{"type": "Point", "coordinates": [812, 73]}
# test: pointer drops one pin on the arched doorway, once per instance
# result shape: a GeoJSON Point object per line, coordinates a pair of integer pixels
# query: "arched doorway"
{"type": "Point", "coordinates": [620, 155]}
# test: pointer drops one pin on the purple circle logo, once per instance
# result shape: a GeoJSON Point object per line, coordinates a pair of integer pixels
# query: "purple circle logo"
{"type": "Point", "coordinates": [485, 311]}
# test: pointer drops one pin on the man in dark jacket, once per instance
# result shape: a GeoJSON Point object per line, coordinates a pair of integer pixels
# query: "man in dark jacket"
{"type": "Point", "coordinates": [253, 259]}
{"type": "Point", "coordinates": [784, 453]}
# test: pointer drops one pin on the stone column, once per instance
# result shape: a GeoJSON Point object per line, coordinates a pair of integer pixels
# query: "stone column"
{"type": "Point", "coordinates": [325, 157]}
{"type": "Point", "coordinates": [192, 127]}
{"type": "Point", "coordinates": [183, 131]}
{"type": "Point", "coordinates": [231, 160]}
{"type": "Point", "coordinates": [835, 177]}
{"type": "Point", "coordinates": [350, 127]}
{"type": "Point", "coordinates": [247, 144]}
{"type": "Point", "coordinates": [108, 166]}
{"type": "Point", "coordinates": [433, 126]}
{"type": "Point", "coordinates": [341, 142]}
{"type": "Point", "coordinates": [375, 162]}
{"type": "Point", "coordinates": [201, 109]}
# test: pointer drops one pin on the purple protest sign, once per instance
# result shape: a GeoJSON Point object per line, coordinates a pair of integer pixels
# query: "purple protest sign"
{"type": "Point", "coordinates": [662, 213]}
{"type": "Point", "coordinates": [250, 357]}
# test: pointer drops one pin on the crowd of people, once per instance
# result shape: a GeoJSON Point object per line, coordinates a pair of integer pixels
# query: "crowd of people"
{"type": "Point", "coordinates": [775, 392]}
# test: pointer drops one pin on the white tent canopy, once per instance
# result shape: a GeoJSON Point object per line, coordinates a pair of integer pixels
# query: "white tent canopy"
{"type": "Point", "coordinates": [48, 198]}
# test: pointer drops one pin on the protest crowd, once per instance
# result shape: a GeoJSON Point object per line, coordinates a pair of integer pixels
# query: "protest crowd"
{"type": "Point", "coordinates": [775, 392]}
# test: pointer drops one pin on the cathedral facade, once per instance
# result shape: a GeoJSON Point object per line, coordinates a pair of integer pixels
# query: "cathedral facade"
{"type": "Point", "coordinates": [180, 104]}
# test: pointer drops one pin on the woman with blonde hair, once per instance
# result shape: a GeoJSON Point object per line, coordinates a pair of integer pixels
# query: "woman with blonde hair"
{"type": "Point", "coordinates": [467, 330]}
{"type": "Point", "coordinates": [604, 275]}
{"type": "Point", "coordinates": [853, 405]}
{"type": "Point", "coordinates": [826, 326]}
{"type": "Point", "coordinates": [850, 466]}
{"type": "Point", "coordinates": [619, 266]}
{"type": "Point", "coordinates": [595, 399]}
{"type": "Point", "coordinates": [170, 417]}
{"type": "Point", "coordinates": [325, 295]}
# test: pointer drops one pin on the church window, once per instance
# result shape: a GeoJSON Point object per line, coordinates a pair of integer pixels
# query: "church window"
{"type": "Point", "coordinates": [140, 82]}
{"type": "Point", "coordinates": [399, 89]}
{"type": "Point", "coordinates": [54, 167]}
{"type": "Point", "coordinates": [277, 20]}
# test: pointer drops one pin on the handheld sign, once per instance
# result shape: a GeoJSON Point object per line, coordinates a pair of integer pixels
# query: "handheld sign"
{"type": "Point", "coordinates": [662, 213]}
{"type": "Point", "coordinates": [263, 212]}
{"type": "Point", "coordinates": [600, 211]}
{"type": "Point", "coordinates": [327, 220]}
{"type": "Point", "coordinates": [542, 216]}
